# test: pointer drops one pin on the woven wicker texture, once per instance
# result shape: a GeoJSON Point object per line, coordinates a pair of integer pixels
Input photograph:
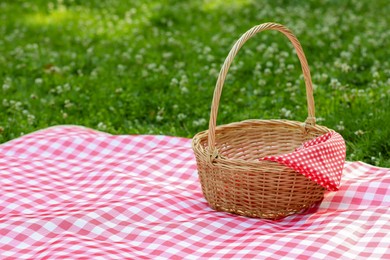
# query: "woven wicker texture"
{"type": "Point", "coordinates": [232, 177]}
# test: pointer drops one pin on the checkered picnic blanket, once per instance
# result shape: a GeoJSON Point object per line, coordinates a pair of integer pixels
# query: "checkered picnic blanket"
{"type": "Point", "coordinates": [72, 192]}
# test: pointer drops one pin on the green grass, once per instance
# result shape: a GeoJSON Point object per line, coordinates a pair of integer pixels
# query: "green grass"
{"type": "Point", "coordinates": [150, 66]}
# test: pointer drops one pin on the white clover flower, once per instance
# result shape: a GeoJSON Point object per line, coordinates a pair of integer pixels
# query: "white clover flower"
{"type": "Point", "coordinates": [184, 90]}
{"type": "Point", "coordinates": [256, 92]}
{"type": "Point", "coordinates": [38, 81]}
{"type": "Point", "coordinates": [290, 66]}
{"type": "Point", "coordinates": [213, 72]}
{"type": "Point", "coordinates": [59, 89]}
{"type": "Point", "coordinates": [16, 105]}
{"type": "Point", "coordinates": [375, 74]}
{"type": "Point", "coordinates": [160, 112]}
{"type": "Point", "coordinates": [199, 122]}
{"type": "Point", "coordinates": [94, 73]}
{"type": "Point", "coordinates": [102, 126]}
{"type": "Point", "coordinates": [183, 84]}
{"type": "Point", "coordinates": [183, 81]}
{"type": "Point", "coordinates": [167, 55]}
{"type": "Point", "coordinates": [334, 83]}
{"type": "Point", "coordinates": [286, 113]}
{"type": "Point", "coordinates": [159, 118]}
{"type": "Point", "coordinates": [179, 65]}
{"type": "Point", "coordinates": [66, 87]}
{"type": "Point", "coordinates": [210, 58]}
{"type": "Point", "coordinates": [340, 126]}
{"type": "Point", "coordinates": [262, 82]}
{"type": "Point", "coordinates": [90, 50]}
{"type": "Point", "coordinates": [284, 54]}
{"type": "Point", "coordinates": [68, 104]}
{"type": "Point", "coordinates": [248, 52]}
{"type": "Point", "coordinates": [267, 71]}
{"type": "Point", "coordinates": [324, 76]}
{"type": "Point", "coordinates": [279, 71]}
{"type": "Point", "coordinates": [162, 69]}
{"type": "Point", "coordinates": [126, 55]}
{"type": "Point", "coordinates": [172, 41]}
{"type": "Point", "coordinates": [139, 58]}
{"type": "Point", "coordinates": [261, 47]}
{"type": "Point", "coordinates": [361, 93]}
{"type": "Point", "coordinates": [359, 132]}
{"type": "Point", "coordinates": [206, 50]}
{"type": "Point", "coordinates": [53, 69]}
{"type": "Point", "coordinates": [181, 117]}
{"type": "Point", "coordinates": [144, 73]}
{"type": "Point", "coordinates": [345, 67]}
{"type": "Point", "coordinates": [356, 40]}
{"type": "Point", "coordinates": [7, 83]}
{"type": "Point", "coordinates": [345, 54]}
{"type": "Point", "coordinates": [6, 103]}
{"type": "Point", "coordinates": [121, 68]}
{"type": "Point", "coordinates": [30, 119]}
{"type": "Point", "coordinates": [6, 86]}
{"type": "Point", "coordinates": [174, 82]}
{"type": "Point", "coordinates": [152, 66]}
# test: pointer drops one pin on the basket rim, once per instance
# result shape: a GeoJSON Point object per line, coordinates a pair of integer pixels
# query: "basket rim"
{"type": "Point", "coordinates": [199, 149]}
{"type": "Point", "coordinates": [273, 122]}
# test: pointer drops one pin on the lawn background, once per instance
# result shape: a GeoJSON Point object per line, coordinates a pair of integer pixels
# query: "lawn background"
{"type": "Point", "coordinates": [149, 67]}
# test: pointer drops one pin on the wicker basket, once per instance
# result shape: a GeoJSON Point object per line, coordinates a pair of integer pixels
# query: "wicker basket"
{"type": "Point", "coordinates": [232, 177]}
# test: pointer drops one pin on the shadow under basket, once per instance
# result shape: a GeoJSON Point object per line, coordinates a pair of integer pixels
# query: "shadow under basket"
{"type": "Point", "coordinates": [238, 182]}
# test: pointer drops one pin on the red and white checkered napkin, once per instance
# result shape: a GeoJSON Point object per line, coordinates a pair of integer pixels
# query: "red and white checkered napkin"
{"type": "Point", "coordinates": [73, 193]}
{"type": "Point", "coordinates": [321, 159]}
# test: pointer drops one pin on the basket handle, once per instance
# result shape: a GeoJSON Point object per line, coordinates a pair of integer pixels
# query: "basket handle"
{"type": "Point", "coordinates": [233, 52]}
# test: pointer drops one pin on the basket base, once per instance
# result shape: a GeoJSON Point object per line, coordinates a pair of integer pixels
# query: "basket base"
{"type": "Point", "coordinates": [271, 215]}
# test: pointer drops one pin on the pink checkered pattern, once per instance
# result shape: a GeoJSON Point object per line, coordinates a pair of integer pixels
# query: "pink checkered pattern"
{"type": "Point", "coordinates": [321, 160]}
{"type": "Point", "coordinates": [70, 192]}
